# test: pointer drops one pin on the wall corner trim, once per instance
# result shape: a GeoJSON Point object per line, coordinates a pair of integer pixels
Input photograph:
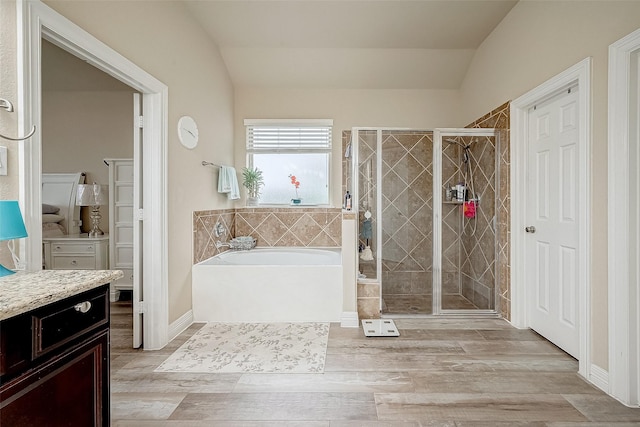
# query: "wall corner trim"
{"type": "Point", "coordinates": [180, 325]}
{"type": "Point", "coordinates": [349, 319]}
{"type": "Point", "coordinates": [599, 378]}
{"type": "Point", "coordinates": [623, 220]}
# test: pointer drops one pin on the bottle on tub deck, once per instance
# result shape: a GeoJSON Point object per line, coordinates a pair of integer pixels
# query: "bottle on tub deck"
{"type": "Point", "coordinates": [347, 201]}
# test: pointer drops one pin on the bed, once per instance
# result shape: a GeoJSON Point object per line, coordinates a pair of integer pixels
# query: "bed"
{"type": "Point", "coordinates": [60, 215]}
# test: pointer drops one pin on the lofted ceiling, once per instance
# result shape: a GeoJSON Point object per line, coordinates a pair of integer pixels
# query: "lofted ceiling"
{"type": "Point", "coordinates": [348, 44]}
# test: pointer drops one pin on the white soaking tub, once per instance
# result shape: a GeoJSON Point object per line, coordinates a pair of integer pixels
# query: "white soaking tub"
{"type": "Point", "coordinates": [269, 285]}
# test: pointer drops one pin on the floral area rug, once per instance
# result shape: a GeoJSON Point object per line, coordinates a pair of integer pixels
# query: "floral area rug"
{"type": "Point", "coordinates": [252, 347]}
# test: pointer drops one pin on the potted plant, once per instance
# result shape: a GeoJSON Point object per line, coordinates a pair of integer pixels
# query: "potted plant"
{"type": "Point", "coordinates": [252, 180]}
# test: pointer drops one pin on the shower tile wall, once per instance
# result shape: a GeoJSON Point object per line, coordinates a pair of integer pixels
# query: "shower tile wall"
{"type": "Point", "coordinates": [478, 247]}
{"type": "Point", "coordinates": [500, 119]}
{"type": "Point", "coordinates": [451, 223]}
{"type": "Point", "coordinates": [407, 211]}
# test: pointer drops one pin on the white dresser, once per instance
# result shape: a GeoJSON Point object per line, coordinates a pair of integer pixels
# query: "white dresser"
{"type": "Point", "coordinates": [121, 223]}
{"type": "Point", "coordinates": [76, 252]}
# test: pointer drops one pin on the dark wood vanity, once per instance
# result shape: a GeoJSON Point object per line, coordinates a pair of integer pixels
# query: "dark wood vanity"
{"type": "Point", "coordinates": [54, 360]}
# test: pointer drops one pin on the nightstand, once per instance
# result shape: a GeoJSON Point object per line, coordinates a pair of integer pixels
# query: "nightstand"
{"type": "Point", "coordinates": [76, 252]}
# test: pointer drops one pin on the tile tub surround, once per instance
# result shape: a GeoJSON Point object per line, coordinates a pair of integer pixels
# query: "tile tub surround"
{"type": "Point", "coordinates": [26, 291]}
{"type": "Point", "coordinates": [204, 240]}
{"type": "Point", "coordinates": [304, 226]}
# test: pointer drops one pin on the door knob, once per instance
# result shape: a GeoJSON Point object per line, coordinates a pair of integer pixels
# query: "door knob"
{"type": "Point", "coordinates": [530, 229]}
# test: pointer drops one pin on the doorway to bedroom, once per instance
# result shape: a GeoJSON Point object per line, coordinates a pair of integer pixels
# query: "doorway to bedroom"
{"type": "Point", "coordinates": [90, 114]}
{"type": "Point", "coordinates": [36, 22]}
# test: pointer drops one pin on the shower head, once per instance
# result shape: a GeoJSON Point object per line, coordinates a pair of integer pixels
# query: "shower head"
{"type": "Point", "coordinates": [465, 147]}
{"type": "Point", "coordinates": [453, 141]}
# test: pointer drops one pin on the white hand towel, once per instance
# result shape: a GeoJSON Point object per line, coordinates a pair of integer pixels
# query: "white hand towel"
{"type": "Point", "coordinates": [228, 182]}
{"type": "Point", "coordinates": [223, 181]}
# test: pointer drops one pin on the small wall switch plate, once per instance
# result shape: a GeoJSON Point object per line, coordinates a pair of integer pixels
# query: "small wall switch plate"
{"type": "Point", "coordinates": [3, 160]}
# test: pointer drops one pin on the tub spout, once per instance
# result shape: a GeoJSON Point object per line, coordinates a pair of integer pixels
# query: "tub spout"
{"type": "Point", "coordinates": [220, 244]}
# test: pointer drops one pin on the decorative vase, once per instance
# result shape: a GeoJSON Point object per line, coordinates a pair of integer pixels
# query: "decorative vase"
{"type": "Point", "coordinates": [252, 201]}
{"type": "Point", "coordinates": [296, 201]}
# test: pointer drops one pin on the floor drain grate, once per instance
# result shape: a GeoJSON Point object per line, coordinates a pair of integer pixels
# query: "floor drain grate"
{"type": "Point", "coordinates": [380, 328]}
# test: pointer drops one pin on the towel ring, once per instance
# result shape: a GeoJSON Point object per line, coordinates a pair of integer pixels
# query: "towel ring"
{"type": "Point", "coordinates": [33, 130]}
{"type": "Point", "coordinates": [5, 104]}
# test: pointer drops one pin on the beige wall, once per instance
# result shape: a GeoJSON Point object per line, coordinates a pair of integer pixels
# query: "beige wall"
{"type": "Point", "coordinates": [8, 121]}
{"type": "Point", "coordinates": [417, 109]}
{"type": "Point", "coordinates": [161, 38]}
{"type": "Point", "coordinates": [80, 129]}
{"type": "Point", "coordinates": [534, 42]}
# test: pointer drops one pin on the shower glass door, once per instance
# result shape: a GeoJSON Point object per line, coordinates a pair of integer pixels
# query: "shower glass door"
{"type": "Point", "coordinates": [465, 209]}
{"type": "Point", "coordinates": [395, 180]}
{"type": "Point", "coordinates": [407, 226]}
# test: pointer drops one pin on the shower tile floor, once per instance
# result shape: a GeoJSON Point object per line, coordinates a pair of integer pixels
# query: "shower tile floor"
{"type": "Point", "coordinates": [422, 304]}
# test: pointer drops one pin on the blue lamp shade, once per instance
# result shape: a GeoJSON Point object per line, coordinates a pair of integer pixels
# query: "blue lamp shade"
{"type": "Point", "coordinates": [11, 226]}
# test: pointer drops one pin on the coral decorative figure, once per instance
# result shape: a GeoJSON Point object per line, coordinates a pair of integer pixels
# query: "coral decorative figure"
{"type": "Point", "coordinates": [296, 185]}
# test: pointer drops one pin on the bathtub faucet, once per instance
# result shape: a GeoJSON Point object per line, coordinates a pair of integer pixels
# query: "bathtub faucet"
{"type": "Point", "coordinates": [220, 244]}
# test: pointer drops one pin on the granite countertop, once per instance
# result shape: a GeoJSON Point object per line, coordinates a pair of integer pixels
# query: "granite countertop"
{"type": "Point", "coordinates": [26, 291]}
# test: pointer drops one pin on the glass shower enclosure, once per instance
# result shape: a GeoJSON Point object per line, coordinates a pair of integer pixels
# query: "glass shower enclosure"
{"type": "Point", "coordinates": [426, 203]}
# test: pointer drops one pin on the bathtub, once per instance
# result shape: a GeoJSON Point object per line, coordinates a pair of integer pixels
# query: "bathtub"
{"type": "Point", "coordinates": [269, 285]}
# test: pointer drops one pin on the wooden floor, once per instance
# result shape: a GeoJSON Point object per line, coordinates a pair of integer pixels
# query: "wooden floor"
{"type": "Point", "coordinates": [437, 373]}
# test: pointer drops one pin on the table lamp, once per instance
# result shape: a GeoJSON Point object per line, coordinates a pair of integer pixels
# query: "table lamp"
{"type": "Point", "coordinates": [93, 195]}
{"type": "Point", "coordinates": [11, 227]}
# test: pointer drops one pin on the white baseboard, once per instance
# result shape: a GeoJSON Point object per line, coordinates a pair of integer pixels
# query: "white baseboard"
{"type": "Point", "coordinates": [182, 323]}
{"type": "Point", "coordinates": [349, 319]}
{"type": "Point", "coordinates": [599, 377]}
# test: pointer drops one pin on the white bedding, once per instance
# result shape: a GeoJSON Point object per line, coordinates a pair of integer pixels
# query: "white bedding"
{"type": "Point", "coordinates": [52, 229]}
{"type": "Point", "coordinates": [49, 218]}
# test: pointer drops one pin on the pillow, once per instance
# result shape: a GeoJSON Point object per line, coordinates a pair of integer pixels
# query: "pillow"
{"type": "Point", "coordinates": [46, 218]}
{"type": "Point", "coordinates": [49, 209]}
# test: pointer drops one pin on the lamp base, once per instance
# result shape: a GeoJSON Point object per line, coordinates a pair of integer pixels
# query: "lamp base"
{"type": "Point", "coordinates": [95, 233]}
{"type": "Point", "coordinates": [95, 222]}
{"type": "Point", "coordinates": [4, 271]}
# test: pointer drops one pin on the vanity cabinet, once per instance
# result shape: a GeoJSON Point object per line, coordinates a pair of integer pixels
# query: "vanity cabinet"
{"type": "Point", "coordinates": [54, 363]}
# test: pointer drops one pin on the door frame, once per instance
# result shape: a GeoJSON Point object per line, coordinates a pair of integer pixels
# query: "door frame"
{"type": "Point", "coordinates": [623, 286]}
{"type": "Point", "coordinates": [579, 74]}
{"type": "Point", "coordinates": [35, 21]}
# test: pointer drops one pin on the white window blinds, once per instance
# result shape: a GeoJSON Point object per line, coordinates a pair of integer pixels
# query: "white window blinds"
{"type": "Point", "coordinates": [288, 136]}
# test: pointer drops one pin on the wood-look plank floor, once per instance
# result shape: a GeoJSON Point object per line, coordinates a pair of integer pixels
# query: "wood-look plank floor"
{"type": "Point", "coordinates": [439, 372]}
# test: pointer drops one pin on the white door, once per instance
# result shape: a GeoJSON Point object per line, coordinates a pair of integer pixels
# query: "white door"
{"type": "Point", "coordinates": [552, 221]}
{"type": "Point", "coordinates": [137, 226]}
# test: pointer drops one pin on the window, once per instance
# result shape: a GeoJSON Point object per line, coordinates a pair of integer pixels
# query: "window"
{"type": "Point", "coordinates": [285, 148]}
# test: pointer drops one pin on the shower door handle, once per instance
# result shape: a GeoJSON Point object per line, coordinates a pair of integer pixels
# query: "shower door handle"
{"type": "Point", "coordinates": [530, 229]}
